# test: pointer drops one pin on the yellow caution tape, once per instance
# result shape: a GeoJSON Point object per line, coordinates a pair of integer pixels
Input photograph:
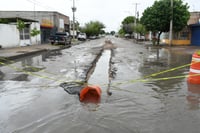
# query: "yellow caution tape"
{"type": "Point", "coordinates": [37, 75]}
{"type": "Point", "coordinates": [169, 70]}
{"type": "Point", "coordinates": [144, 79]}
{"type": "Point", "coordinates": [31, 67]}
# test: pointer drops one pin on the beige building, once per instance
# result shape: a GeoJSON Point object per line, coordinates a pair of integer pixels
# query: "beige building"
{"type": "Point", "coordinates": [189, 35]}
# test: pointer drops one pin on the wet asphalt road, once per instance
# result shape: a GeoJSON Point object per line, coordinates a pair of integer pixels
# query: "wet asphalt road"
{"type": "Point", "coordinates": [32, 101]}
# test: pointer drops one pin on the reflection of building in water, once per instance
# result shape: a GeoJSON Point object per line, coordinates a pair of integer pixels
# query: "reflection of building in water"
{"type": "Point", "coordinates": [193, 96]}
{"type": "Point", "coordinates": [1, 75]}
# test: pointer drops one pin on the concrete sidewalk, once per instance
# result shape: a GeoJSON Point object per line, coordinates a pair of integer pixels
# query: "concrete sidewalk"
{"type": "Point", "coordinates": [17, 52]}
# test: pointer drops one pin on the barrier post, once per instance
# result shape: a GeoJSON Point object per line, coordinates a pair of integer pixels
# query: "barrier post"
{"type": "Point", "coordinates": [194, 74]}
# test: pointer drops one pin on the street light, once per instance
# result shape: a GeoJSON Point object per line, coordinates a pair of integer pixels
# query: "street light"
{"type": "Point", "coordinates": [73, 10]}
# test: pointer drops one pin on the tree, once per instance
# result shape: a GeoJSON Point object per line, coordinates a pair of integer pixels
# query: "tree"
{"type": "Point", "coordinates": [112, 32]}
{"type": "Point", "coordinates": [128, 24]}
{"type": "Point", "coordinates": [128, 20]}
{"type": "Point", "coordinates": [140, 29]}
{"type": "Point", "coordinates": [20, 24]}
{"type": "Point", "coordinates": [157, 17]}
{"type": "Point", "coordinates": [121, 32]}
{"type": "Point", "coordinates": [35, 32]}
{"type": "Point", "coordinates": [93, 28]}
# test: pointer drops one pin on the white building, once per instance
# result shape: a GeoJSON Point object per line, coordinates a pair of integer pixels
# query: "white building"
{"type": "Point", "coordinates": [50, 21]}
{"type": "Point", "coordinates": [10, 36]}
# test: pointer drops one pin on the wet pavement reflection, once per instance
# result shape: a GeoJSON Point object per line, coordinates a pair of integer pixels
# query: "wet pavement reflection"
{"type": "Point", "coordinates": [31, 99]}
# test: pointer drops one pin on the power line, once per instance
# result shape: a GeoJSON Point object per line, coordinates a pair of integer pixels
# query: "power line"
{"type": "Point", "coordinates": [41, 4]}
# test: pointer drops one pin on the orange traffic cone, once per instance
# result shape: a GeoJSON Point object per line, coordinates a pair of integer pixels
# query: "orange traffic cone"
{"type": "Point", "coordinates": [194, 75]}
{"type": "Point", "coordinates": [90, 94]}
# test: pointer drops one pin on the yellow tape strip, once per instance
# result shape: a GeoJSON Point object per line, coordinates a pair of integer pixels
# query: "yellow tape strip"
{"type": "Point", "coordinates": [36, 75]}
{"type": "Point", "coordinates": [144, 79]}
{"type": "Point", "coordinates": [31, 67]}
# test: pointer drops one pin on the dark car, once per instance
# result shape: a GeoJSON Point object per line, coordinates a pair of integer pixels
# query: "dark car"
{"type": "Point", "coordinates": [60, 38]}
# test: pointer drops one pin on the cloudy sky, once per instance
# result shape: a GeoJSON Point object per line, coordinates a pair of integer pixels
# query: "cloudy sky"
{"type": "Point", "coordinates": [109, 12]}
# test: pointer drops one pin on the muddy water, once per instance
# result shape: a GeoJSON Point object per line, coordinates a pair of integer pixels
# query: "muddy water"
{"type": "Point", "coordinates": [101, 73]}
{"type": "Point", "coordinates": [37, 105]}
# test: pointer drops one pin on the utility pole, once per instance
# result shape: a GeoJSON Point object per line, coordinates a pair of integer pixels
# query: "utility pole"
{"type": "Point", "coordinates": [135, 21]}
{"type": "Point", "coordinates": [73, 10]}
{"type": "Point", "coordinates": [171, 26]}
{"type": "Point", "coordinates": [136, 4]}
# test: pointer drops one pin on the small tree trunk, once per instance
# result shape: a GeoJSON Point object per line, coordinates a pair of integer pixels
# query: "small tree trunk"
{"type": "Point", "coordinates": [158, 41]}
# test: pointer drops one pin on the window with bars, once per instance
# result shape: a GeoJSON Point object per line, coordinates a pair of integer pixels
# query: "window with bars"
{"type": "Point", "coordinates": [25, 33]}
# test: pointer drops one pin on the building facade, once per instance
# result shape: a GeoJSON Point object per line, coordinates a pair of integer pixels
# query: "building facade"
{"type": "Point", "coordinates": [50, 22]}
{"type": "Point", "coordinates": [194, 24]}
{"type": "Point", "coordinates": [13, 36]}
{"type": "Point", "coordinates": [190, 35]}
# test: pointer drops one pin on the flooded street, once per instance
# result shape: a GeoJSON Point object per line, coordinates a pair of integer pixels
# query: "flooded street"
{"type": "Point", "coordinates": [149, 89]}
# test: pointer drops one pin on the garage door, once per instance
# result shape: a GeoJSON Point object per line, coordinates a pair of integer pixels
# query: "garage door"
{"type": "Point", "coordinates": [195, 39]}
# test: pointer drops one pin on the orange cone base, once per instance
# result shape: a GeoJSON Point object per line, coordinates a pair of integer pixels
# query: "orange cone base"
{"type": "Point", "coordinates": [90, 94]}
{"type": "Point", "coordinates": [194, 80]}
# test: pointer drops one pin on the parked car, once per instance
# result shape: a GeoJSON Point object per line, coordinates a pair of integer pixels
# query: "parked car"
{"type": "Point", "coordinates": [127, 36]}
{"type": "Point", "coordinates": [60, 38]}
{"type": "Point", "coordinates": [82, 37]}
{"type": "Point", "coordinates": [93, 37]}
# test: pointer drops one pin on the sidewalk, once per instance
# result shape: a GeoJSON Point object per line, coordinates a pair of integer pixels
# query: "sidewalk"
{"type": "Point", "coordinates": [17, 52]}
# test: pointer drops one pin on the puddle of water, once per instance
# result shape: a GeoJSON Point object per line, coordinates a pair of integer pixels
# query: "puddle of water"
{"type": "Point", "coordinates": [100, 76]}
{"type": "Point", "coordinates": [16, 70]}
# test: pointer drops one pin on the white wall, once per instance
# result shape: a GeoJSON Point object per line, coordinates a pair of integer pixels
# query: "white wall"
{"type": "Point", "coordinates": [9, 35]}
{"type": "Point", "coordinates": [36, 39]}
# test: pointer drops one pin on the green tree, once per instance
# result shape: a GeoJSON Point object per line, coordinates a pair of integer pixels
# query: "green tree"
{"type": "Point", "coordinates": [128, 24]}
{"type": "Point", "coordinates": [140, 29]}
{"type": "Point", "coordinates": [35, 32]}
{"type": "Point", "coordinates": [112, 32]}
{"type": "Point", "coordinates": [157, 17]}
{"type": "Point", "coordinates": [128, 20]}
{"type": "Point", "coordinates": [20, 24]}
{"type": "Point", "coordinates": [93, 28]}
{"type": "Point", "coordinates": [121, 32]}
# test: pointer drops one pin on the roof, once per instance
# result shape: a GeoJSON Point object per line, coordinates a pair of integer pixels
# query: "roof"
{"type": "Point", "coordinates": [14, 19]}
{"type": "Point", "coordinates": [195, 25]}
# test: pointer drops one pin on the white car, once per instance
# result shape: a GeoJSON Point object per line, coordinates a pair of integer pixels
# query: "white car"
{"type": "Point", "coordinates": [82, 37]}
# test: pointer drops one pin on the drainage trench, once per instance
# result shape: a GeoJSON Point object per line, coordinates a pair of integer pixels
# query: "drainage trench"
{"type": "Point", "coordinates": [100, 75]}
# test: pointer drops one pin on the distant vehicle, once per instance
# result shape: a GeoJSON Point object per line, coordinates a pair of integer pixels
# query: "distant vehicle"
{"type": "Point", "coordinates": [60, 38]}
{"type": "Point", "coordinates": [127, 36]}
{"type": "Point", "coordinates": [142, 38]}
{"type": "Point", "coordinates": [93, 37]}
{"type": "Point", "coordinates": [82, 37]}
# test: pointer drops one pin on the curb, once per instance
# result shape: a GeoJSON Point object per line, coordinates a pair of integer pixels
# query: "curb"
{"type": "Point", "coordinates": [35, 51]}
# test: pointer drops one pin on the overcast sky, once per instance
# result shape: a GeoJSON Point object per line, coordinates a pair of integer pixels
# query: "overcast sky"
{"type": "Point", "coordinates": [109, 12]}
